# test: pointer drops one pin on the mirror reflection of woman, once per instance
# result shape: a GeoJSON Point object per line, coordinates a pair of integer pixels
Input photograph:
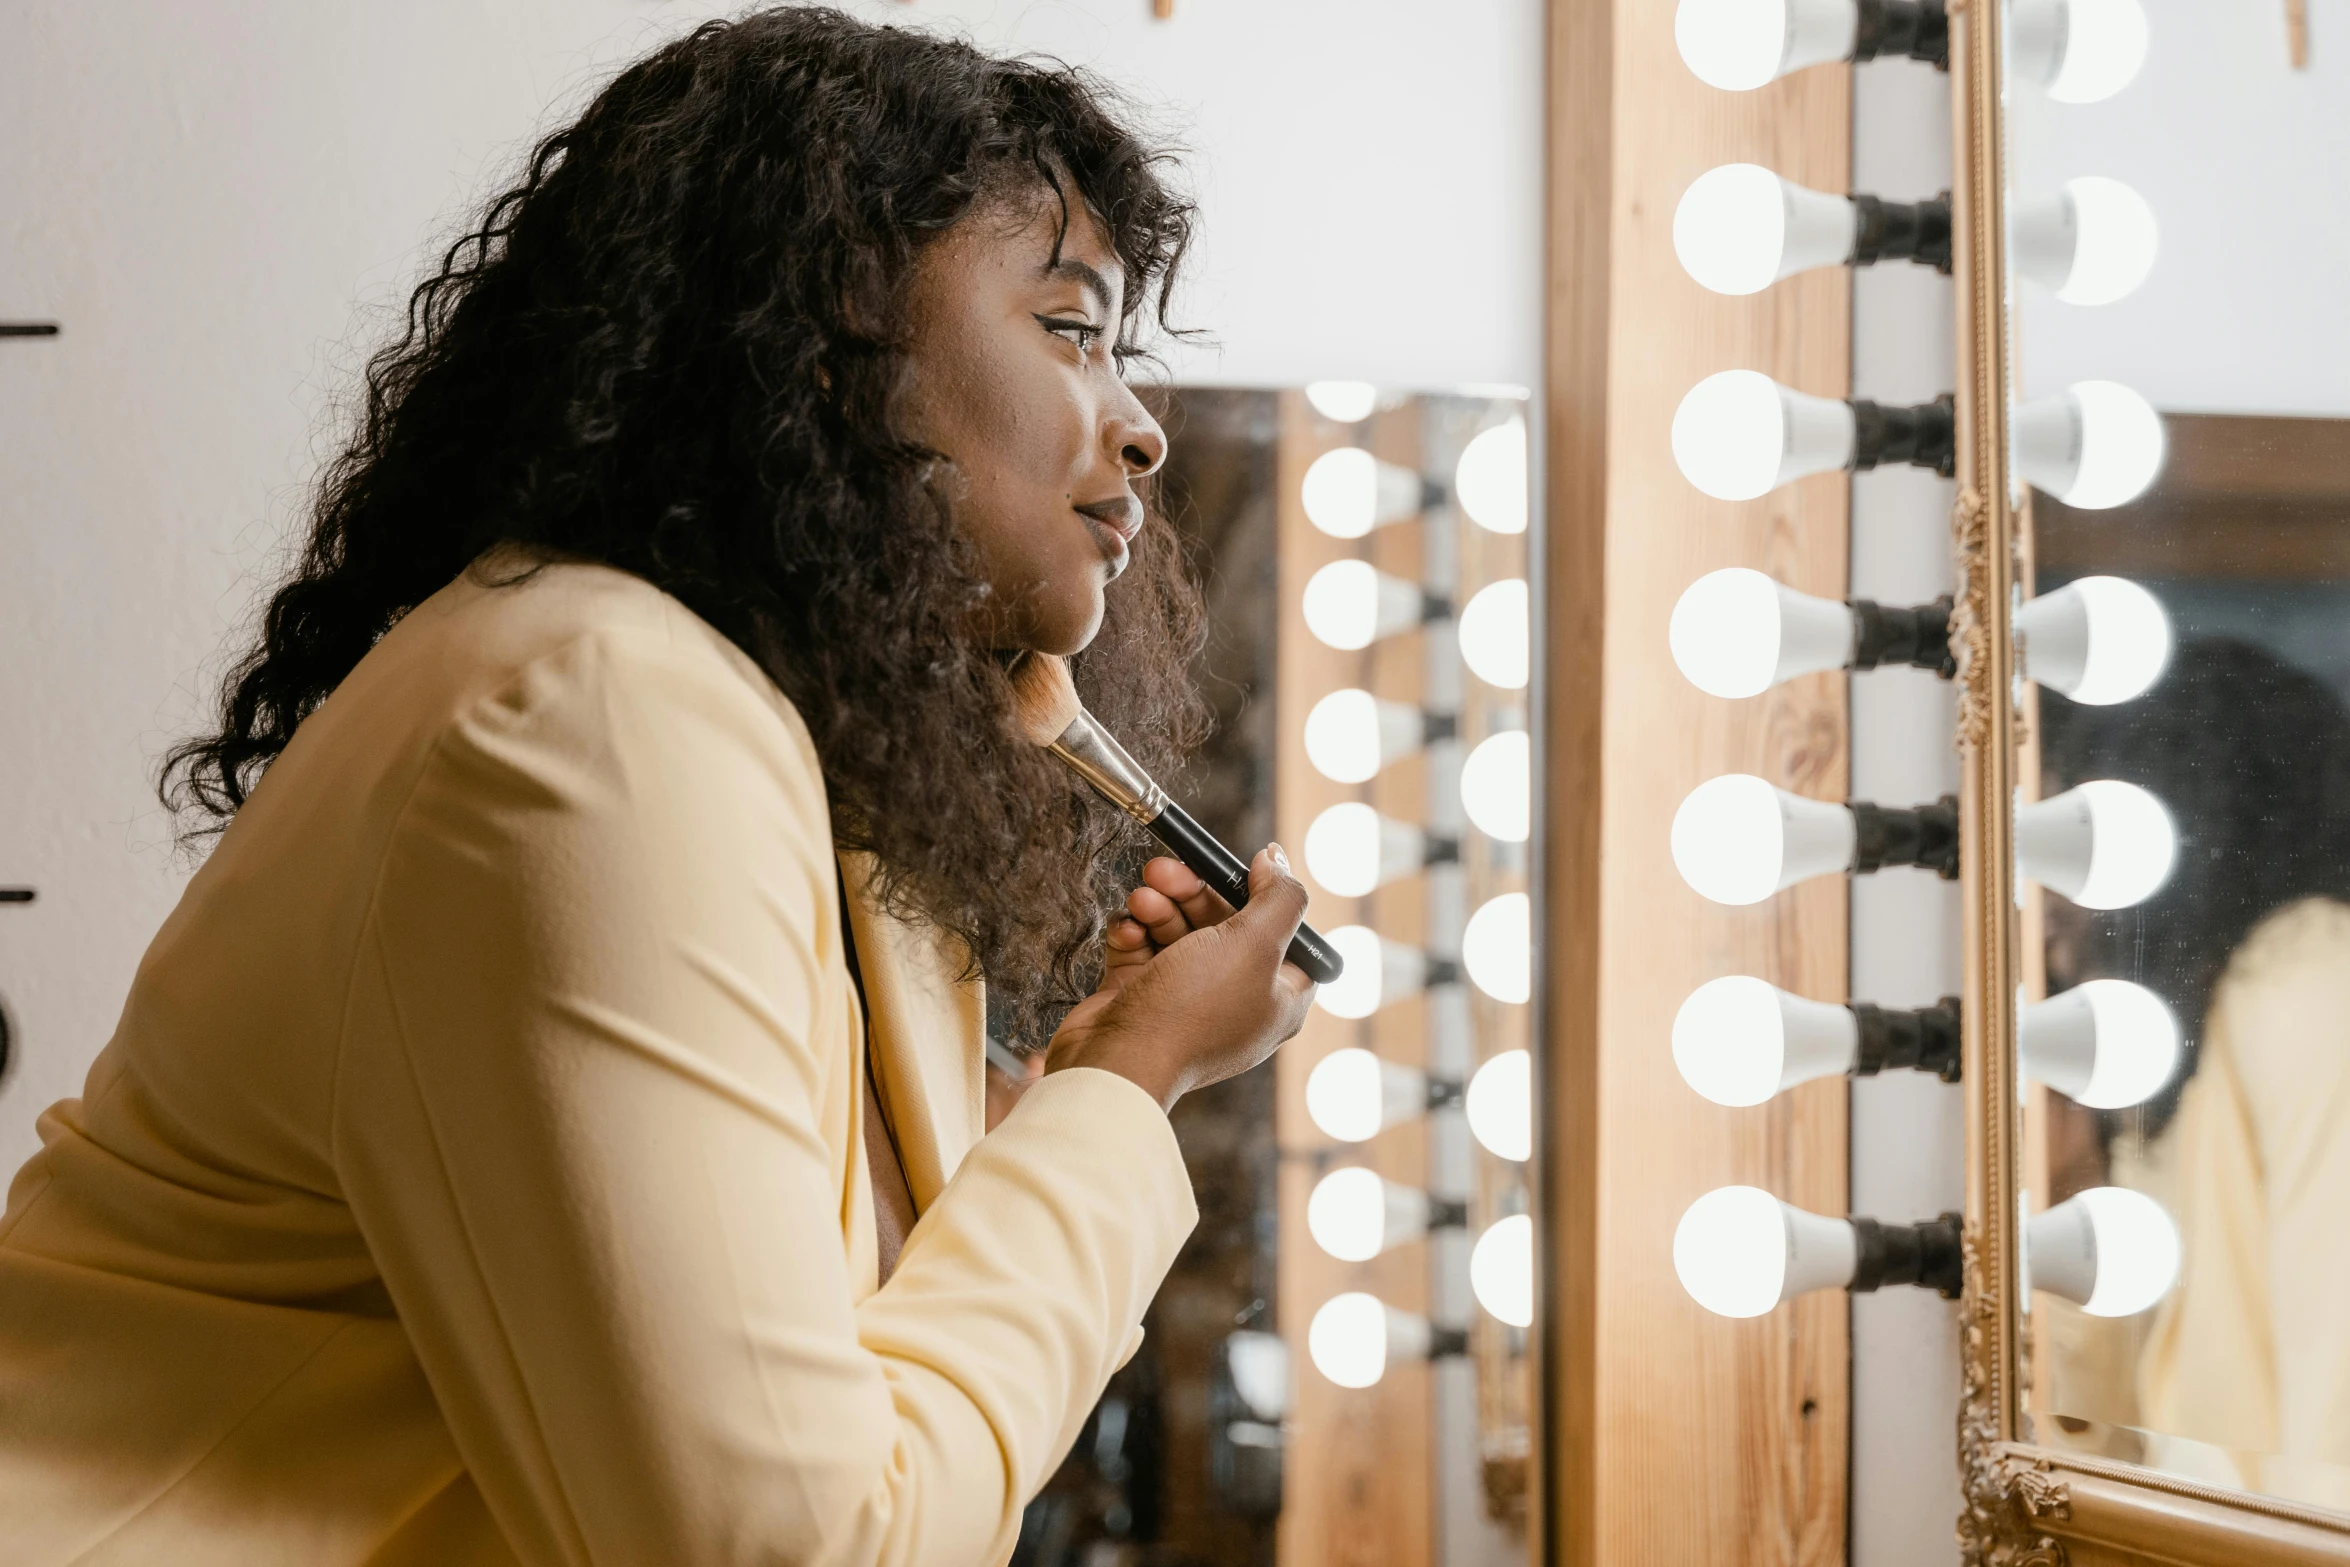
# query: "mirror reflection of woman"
{"type": "Point", "coordinates": [549, 1127]}
{"type": "Point", "coordinates": [2248, 1358]}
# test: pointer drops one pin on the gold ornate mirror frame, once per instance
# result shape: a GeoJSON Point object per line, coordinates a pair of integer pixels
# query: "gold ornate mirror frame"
{"type": "Point", "coordinates": [2026, 1505]}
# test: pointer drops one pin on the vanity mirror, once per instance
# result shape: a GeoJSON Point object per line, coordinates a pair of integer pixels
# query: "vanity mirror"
{"type": "Point", "coordinates": [2152, 445]}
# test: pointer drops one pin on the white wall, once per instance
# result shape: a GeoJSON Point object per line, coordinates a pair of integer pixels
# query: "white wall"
{"type": "Point", "coordinates": [221, 198]}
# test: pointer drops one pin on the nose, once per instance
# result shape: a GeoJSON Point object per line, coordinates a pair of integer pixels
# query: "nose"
{"type": "Point", "coordinates": [1136, 437]}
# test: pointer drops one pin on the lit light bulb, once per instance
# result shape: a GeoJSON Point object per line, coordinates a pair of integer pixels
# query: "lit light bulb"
{"type": "Point", "coordinates": [1347, 1340]}
{"type": "Point", "coordinates": [1737, 840]}
{"type": "Point", "coordinates": [2104, 845]}
{"type": "Point", "coordinates": [1738, 435]}
{"type": "Point", "coordinates": [2097, 640]}
{"type": "Point", "coordinates": [1351, 734]}
{"type": "Point", "coordinates": [1350, 604]}
{"type": "Point", "coordinates": [1501, 1270]}
{"type": "Point", "coordinates": [1738, 45]}
{"type": "Point", "coordinates": [1343, 402]}
{"type": "Point", "coordinates": [2094, 445]}
{"type": "Point", "coordinates": [1354, 1215]}
{"type": "Point", "coordinates": [1497, 948]}
{"type": "Point", "coordinates": [1348, 492]}
{"type": "Point", "coordinates": [2107, 1044]}
{"type": "Point", "coordinates": [1378, 973]}
{"type": "Point", "coordinates": [1740, 1251]}
{"type": "Point", "coordinates": [2111, 1251]}
{"type": "Point", "coordinates": [1500, 1106]}
{"type": "Point", "coordinates": [2091, 243]}
{"type": "Point", "coordinates": [1495, 634]}
{"type": "Point", "coordinates": [1353, 1095]}
{"type": "Point", "coordinates": [1490, 479]}
{"type": "Point", "coordinates": [1740, 228]}
{"type": "Point", "coordinates": [1739, 1041]}
{"type": "Point", "coordinates": [1737, 633]}
{"type": "Point", "coordinates": [1497, 786]}
{"type": "Point", "coordinates": [1351, 849]}
{"type": "Point", "coordinates": [2080, 51]}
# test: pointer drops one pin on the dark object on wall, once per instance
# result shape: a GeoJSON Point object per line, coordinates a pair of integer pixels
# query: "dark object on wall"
{"type": "Point", "coordinates": [7, 1036]}
{"type": "Point", "coordinates": [28, 329]}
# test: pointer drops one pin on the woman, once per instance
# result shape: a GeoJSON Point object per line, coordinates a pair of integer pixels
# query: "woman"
{"type": "Point", "coordinates": [548, 1129]}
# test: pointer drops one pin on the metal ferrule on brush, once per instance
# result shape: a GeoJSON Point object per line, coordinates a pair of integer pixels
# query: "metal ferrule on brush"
{"type": "Point", "coordinates": [1102, 762]}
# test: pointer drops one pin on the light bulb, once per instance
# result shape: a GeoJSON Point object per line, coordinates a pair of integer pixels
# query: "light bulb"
{"type": "Point", "coordinates": [2094, 445]}
{"type": "Point", "coordinates": [1740, 228]}
{"type": "Point", "coordinates": [1501, 1270]}
{"type": "Point", "coordinates": [1737, 840]}
{"type": "Point", "coordinates": [1737, 633]}
{"type": "Point", "coordinates": [1739, 1041]}
{"type": "Point", "coordinates": [1497, 948]}
{"type": "Point", "coordinates": [1351, 734]}
{"type": "Point", "coordinates": [1378, 973]}
{"type": "Point", "coordinates": [2097, 640]}
{"type": "Point", "coordinates": [1500, 1106]}
{"type": "Point", "coordinates": [2091, 243]}
{"type": "Point", "coordinates": [1495, 634]}
{"type": "Point", "coordinates": [1738, 45]}
{"type": "Point", "coordinates": [1354, 1215]}
{"type": "Point", "coordinates": [1497, 786]}
{"type": "Point", "coordinates": [1343, 402]}
{"type": "Point", "coordinates": [2107, 1044]}
{"type": "Point", "coordinates": [1739, 435]}
{"type": "Point", "coordinates": [1740, 1251]}
{"type": "Point", "coordinates": [2112, 1251]}
{"type": "Point", "coordinates": [1350, 604]}
{"type": "Point", "coordinates": [1348, 492]}
{"type": "Point", "coordinates": [1347, 1340]}
{"type": "Point", "coordinates": [1490, 479]}
{"type": "Point", "coordinates": [1351, 849]}
{"type": "Point", "coordinates": [1353, 1095]}
{"type": "Point", "coordinates": [2080, 51]}
{"type": "Point", "coordinates": [2104, 845]}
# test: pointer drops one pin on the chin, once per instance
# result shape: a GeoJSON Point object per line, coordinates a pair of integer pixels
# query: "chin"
{"type": "Point", "coordinates": [1070, 631]}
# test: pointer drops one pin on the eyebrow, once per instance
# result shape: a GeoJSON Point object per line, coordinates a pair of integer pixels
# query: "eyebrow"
{"type": "Point", "coordinates": [1086, 275]}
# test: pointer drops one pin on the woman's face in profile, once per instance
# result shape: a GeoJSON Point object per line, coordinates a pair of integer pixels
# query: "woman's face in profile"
{"type": "Point", "coordinates": [1012, 377]}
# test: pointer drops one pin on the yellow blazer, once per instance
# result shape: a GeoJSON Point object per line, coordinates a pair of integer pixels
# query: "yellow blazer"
{"type": "Point", "coordinates": [476, 1174]}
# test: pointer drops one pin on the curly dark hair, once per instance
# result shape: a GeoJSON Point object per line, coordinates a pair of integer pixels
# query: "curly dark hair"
{"type": "Point", "coordinates": [672, 347]}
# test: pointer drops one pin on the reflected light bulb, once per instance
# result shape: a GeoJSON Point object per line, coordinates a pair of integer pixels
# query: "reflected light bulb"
{"type": "Point", "coordinates": [1347, 1214]}
{"type": "Point", "coordinates": [2104, 845]}
{"type": "Point", "coordinates": [1740, 228]}
{"type": "Point", "coordinates": [1347, 1341]}
{"type": "Point", "coordinates": [1343, 402]}
{"type": "Point", "coordinates": [1497, 948]}
{"type": "Point", "coordinates": [1490, 479]}
{"type": "Point", "coordinates": [1739, 1041]}
{"type": "Point", "coordinates": [1497, 786]}
{"type": "Point", "coordinates": [1353, 1095]}
{"type": "Point", "coordinates": [1739, 1251]}
{"type": "Point", "coordinates": [2095, 445]}
{"type": "Point", "coordinates": [2106, 1044]}
{"type": "Point", "coordinates": [1494, 634]}
{"type": "Point", "coordinates": [1350, 604]}
{"type": "Point", "coordinates": [1501, 1270]}
{"type": "Point", "coordinates": [1500, 1106]}
{"type": "Point", "coordinates": [2081, 51]}
{"type": "Point", "coordinates": [1347, 492]}
{"type": "Point", "coordinates": [1738, 45]}
{"type": "Point", "coordinates": [1737, 633]}
{"type": "Point", "coordinates": [2112, 1251]}
{"type": "Point", "coordinates": [1351, 734]}
{"type": "Point", "coordinates": [2097, 640]}
{"type": "Point", "coordinates": [1358, 990]}
{"type": "Point", "coordinates": [1342, 849]}
{"type": "Point", "coordinates": [1739, 435]}
{"type": "Point", "coordinates": [2091, 243]}
{"type": "Point", "coordinates": [1737, 840]}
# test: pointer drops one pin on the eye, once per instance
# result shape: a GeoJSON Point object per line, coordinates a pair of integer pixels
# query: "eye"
{"type": "Point", "coordinates": [1083, 333]}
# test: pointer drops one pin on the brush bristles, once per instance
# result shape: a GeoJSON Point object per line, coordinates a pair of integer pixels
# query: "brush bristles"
{"type": "Point", "coordinates": [1044, 699]}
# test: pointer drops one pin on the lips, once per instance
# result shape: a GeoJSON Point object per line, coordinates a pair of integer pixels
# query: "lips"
{"type": "Point", "coordinates": [1114, 523]}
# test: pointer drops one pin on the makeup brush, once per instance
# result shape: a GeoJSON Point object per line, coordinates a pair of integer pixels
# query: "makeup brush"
{"type": "Point", "coordinates": [1045, 702]}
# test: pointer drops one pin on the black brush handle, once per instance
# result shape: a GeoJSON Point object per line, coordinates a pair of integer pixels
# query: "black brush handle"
{"type": "Point", "coordinates": [1216, 865]}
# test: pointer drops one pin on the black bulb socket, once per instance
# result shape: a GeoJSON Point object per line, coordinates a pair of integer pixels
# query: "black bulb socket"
{"type": "Point", "coordinates": [1441, 971]}
{"type": "Point", "coordinates": [1448, 1213]}
{"type": "Point", "coordinates": [1439, 726]}
{"type": "Point", "coordinates": [1924, 435]}
{"type": "Point", "coordinates": [1916, 231]}
{"type": "Point", "coordinates": [1904, 29]}
{"type": "Point", "coordinates": [1447, 1343]}
{"type": "Point", "coordinates": [1922, 1254]}
{"type": "Point", "coordinates": [1925, 836]}
{"type": "Point", "coordinates": [1916, 638]}
{"type": "Point", "coordinates": [1445, 1092]}
{"type": "Point", "coordinates": [1923, 1038]}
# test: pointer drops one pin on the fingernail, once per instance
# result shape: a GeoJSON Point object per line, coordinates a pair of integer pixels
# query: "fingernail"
{"type": "Point", "coordinates": [1280, 858]}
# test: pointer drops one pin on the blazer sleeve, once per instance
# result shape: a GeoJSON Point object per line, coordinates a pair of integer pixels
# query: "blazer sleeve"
{"type": "Point", "coordinates": [578, 1116]}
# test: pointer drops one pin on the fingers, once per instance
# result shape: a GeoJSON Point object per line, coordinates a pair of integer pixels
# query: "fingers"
{"type": "Point", "coordinates": [1180, 885]}
{"type": "Point", "coordinates": [1160, 915]}
{"type": "Point", "coordinates": [1276, 898]}
{"type": "Point", "coordinates": [1126, 945]}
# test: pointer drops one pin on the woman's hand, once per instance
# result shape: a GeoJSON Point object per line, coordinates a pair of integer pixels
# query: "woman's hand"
{"type": "Point", "coordinates": [1192, 992]}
